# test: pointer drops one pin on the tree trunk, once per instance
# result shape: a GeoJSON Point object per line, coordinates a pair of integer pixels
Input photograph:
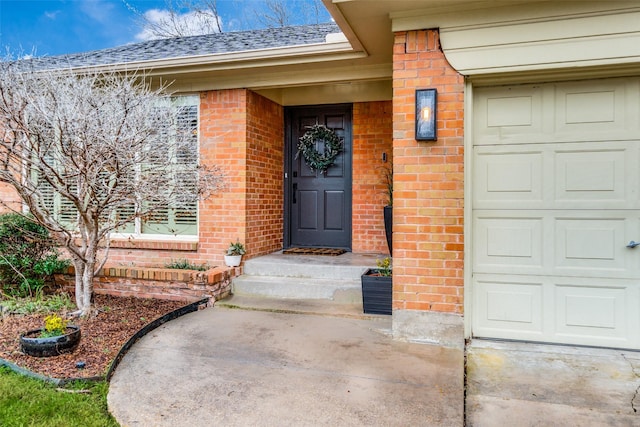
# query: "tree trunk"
{"type": "Point", "coordinates": [78, 266]}
{"type": "Point", "coordinates": [87, 289]}
{"type": "Point", "coordinates": [84, 286]}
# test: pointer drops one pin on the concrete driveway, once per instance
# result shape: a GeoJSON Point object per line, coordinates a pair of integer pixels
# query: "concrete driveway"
{"type": "Point", "coordinates": [306, 363]}
{"type": "Point", "coordinates": [231, 367]}
{"type": "Point", "coordinates": [520, 384]}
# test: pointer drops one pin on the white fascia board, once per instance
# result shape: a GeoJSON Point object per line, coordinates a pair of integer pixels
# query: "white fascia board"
{"type": "Point", "coordinates": [491, 14]}
{"type": "Point", "coordinates": [238, 60]}
{"type": "Point", "coordinates": [583, 52]}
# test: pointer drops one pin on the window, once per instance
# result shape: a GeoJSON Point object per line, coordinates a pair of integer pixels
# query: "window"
{"type": "Point", "coordinates": [180, 219]}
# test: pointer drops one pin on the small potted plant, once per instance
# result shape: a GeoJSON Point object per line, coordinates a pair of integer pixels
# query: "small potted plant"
{"type": "Point", "coordinates": [233, 256]}
{"type": "Point", "coordinates": [377, 288]}
{"type": "Point", "coordinates": [57, 337]}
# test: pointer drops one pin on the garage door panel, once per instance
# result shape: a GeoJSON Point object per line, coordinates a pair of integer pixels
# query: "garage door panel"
{"type": "Point", "coordinates": [557, 176]}
{"type": "Point", "coordinates": [592, 246]}
{"type": "Point", "coordinates": [509, 177]}
{"type": "Point", "coordinates": [597, 176]}
{"type": "Point", "coordinates": [509, 305]}
{"type": "Point", "coordinates": [559, 310]}
{"type": "Point", "coordinates": [508, 244]}
{"type": "Point", "coordinates": [604, 109]}
{"type": "Point", "coordinates": [593, 314]}
{"type": "Point", "coordinates": [509, 114]}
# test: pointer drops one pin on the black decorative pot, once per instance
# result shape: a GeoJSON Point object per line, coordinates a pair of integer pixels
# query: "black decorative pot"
{"type": "Point", "coordinates": [377, 292]}
{"type": "Point", "coordinates": [388, 226]}
{"type": "Point", "coordinates": [32, 345]}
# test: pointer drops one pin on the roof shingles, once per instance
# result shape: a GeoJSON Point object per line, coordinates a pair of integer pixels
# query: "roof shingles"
{"type": "Point", "coordinates": [183, 47]}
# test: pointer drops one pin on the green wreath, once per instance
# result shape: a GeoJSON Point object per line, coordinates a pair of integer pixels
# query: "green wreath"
{"type": "Point", "coordinates": [307, 146]}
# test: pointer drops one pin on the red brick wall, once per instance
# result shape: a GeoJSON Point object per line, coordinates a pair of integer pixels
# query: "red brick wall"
{"type": "Point", "coordinates": [222, 218]}
{"type": "Point", "coordinates": [242, 133]}
{"type": "Point", "coordinates": [428, 184]}
{"type": "Point", "coordinates": [372, 136]}
{"type": "Point", "coordinates": [9, 199]}
{"type": "Point", "coordinates": [265, 175]}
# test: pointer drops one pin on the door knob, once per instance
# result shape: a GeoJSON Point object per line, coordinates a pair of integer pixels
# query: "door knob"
{"type": "Point", "coordinates": [633, 244]}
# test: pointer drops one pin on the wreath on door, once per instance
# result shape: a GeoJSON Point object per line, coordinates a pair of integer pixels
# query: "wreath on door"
{"type": "Point", "coordinates": [307, 146]}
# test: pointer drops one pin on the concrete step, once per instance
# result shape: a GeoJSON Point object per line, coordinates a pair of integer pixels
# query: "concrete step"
{"type": "Point", "coordinates": [346, 266]}
{"type": "Point", "coordinates": [277, 275]}
{"type": "Point", "coordinates": [345, 291]}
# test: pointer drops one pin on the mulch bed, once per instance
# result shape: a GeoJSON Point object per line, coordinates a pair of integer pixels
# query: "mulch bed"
{"type": "Point", "coordinates": [102, 336]}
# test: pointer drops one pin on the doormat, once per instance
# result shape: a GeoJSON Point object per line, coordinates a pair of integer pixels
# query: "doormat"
{"type": "Point", "coordinates": [314, 251]}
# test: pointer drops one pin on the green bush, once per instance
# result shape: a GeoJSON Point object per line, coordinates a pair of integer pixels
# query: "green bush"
{"type": "Point", "coordinates": [185, 264]}
{"type": "Point", "coordinates": [28, 257]}
{"type": "Point", "coordinates": [48, 304]}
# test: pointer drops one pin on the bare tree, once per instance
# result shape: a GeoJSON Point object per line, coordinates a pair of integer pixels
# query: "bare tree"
{"type": "Point", "coordinates": [281, 13]}
{"type": "Point", "coordinates": [179, 18]}
{"type": "Point", "coordinates": [88, 154]}
{"type": "Point", "coordinates": [182, 18]}
{"type": "Point", "coordinates": [276, 14]}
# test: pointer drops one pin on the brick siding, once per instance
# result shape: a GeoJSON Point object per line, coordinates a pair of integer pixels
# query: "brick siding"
{"type": "Point", "coordinates": [428, 210]}
{"type": "Point", "coordinates": [372, 136]}
{"type": "Point", "coordinates": [10, 199]}
{"type": "Point", "coordinates": [265, 175]}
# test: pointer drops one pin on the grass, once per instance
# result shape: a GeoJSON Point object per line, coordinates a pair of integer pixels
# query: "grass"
{"type": "Point", "coordinates": [29, 402]}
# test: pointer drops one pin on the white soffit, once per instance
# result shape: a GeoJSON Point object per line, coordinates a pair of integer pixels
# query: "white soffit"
{"type": "Point", "coordinates": [534, 36]}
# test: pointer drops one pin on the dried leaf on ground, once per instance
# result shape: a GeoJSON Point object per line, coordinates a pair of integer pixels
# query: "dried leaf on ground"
{"type": "Point", "coordinates": [102, 336]}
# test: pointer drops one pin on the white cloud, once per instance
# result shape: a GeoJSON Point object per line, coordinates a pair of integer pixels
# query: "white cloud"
{"type": "Point", "coordinates": [98, 10]}
{"type": "Point", "coordinates": [52, 15]}
{"type": "Point", "coordinates": [162, 23]}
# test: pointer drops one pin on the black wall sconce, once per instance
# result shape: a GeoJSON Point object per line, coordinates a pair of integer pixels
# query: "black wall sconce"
{"type": "Point", "coordinates": [426, 115]}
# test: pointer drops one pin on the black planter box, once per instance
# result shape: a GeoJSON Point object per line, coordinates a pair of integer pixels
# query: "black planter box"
{"type": "Point", "coordinates": [377, 293]}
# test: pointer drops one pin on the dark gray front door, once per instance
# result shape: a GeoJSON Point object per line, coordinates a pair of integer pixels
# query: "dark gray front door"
{"type": "Point", "coordinates": [318, 205]}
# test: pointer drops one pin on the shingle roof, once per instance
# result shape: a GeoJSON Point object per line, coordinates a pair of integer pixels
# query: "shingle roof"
{"type": "Point", "coordinates": [179, 47]}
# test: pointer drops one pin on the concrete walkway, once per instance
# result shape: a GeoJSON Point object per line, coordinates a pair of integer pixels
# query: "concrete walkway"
{"type": "Point", "coordinates": [233, 367]}
{"type": "Point", "coordinates": [521, 384]}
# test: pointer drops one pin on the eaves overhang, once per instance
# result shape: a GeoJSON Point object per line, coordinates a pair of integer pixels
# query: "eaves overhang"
{"type": "Point", "coordinates": [310, 53]}
{"type": "Point", "coordinates": [488, 40]}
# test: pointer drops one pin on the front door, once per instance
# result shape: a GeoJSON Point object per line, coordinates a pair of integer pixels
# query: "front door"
{"type": "Point", "coordinates": [318, 205]}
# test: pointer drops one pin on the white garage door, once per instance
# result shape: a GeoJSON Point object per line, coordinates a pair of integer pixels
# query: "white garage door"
{"type": "Point", "coordinates": [556, 200]}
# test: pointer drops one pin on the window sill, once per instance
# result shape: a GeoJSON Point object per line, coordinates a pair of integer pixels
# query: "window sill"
{"type": "Point", "coordinates": [160, 245]}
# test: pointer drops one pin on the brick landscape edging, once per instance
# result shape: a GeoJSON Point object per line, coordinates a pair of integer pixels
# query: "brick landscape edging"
{"type": "Point", "coordinates": [159, 283]}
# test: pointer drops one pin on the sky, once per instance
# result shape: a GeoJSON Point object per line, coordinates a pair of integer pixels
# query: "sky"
{"type": "Point", "coordinates": [55, 27]}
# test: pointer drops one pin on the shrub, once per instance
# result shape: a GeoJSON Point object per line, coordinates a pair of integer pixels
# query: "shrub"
{"type": "Point", "coordinates": [236, 249]}
{"type": "Point", "coordinates": [185, 264]}
{"type": "Point", "coordinates": [54, 326]}
{"type": "Point", "coordinates": [48, 304]}
{"type": "Point", "coordinates": [384, 266]}
{"type": "Point", "coordinates": [28, 257]}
